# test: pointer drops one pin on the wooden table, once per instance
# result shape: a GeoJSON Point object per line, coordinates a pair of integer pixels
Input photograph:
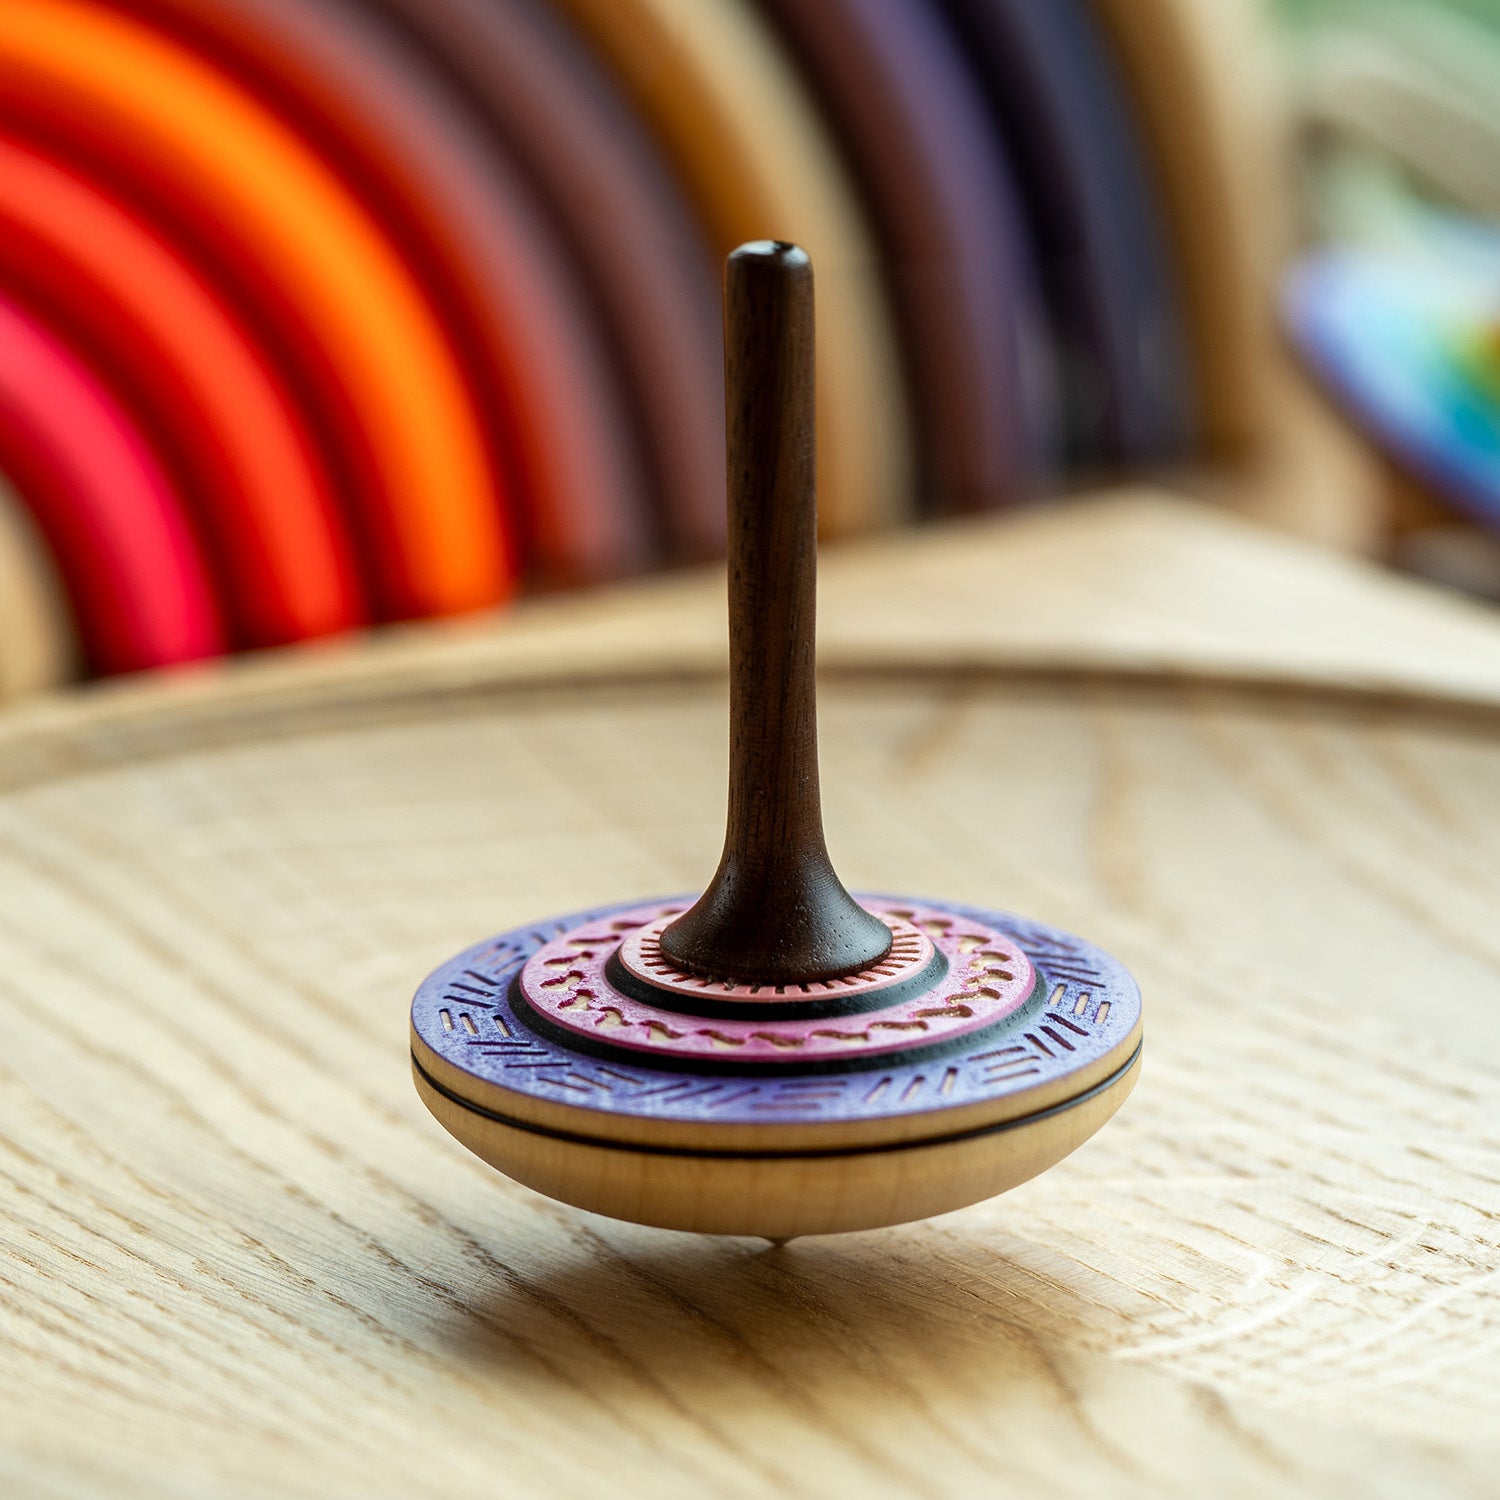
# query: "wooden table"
{"type": "Point", "coordinates": [238, 1259]}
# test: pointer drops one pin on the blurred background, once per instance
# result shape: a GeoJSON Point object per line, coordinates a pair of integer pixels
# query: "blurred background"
{"type": "Point", "coordinates": [315, 316]}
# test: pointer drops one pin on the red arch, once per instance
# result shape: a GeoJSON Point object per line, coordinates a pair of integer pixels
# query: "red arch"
{"type": "Point", "coordinates": [321, 274]}
{"type": "Point", "coordinates": [105, 504]}
{"type": "Point", "coordinates": [257, 487]}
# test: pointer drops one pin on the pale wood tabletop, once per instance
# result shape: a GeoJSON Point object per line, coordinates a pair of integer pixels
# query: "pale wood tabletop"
{"type": "Point", "coordinates": [237, 1258]}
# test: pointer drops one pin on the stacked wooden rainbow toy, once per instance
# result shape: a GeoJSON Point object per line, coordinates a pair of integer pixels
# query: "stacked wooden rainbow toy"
{"type": "Point", "coordinates": [318, 315]}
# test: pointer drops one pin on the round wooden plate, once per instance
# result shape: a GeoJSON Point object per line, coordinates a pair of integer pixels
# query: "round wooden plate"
{"type": "Point", "coordinates": [237, 1242]}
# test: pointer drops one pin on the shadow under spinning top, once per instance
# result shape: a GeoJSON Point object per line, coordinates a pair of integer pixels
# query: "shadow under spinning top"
{"type": "Point", "coordinates": [777, 1058]}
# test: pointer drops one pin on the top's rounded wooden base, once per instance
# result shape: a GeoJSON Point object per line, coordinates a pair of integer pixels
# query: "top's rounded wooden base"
{"type": "Point", "coordinates": [812, 1114]}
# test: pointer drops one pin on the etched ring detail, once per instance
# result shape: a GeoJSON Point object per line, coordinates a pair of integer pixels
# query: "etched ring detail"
{"type": "Point", "coordinates": [987, 977]}
{"type": "Point", "coordinates": [468, 1015]}
{"type": "Point", "coordinates": [910, 953]}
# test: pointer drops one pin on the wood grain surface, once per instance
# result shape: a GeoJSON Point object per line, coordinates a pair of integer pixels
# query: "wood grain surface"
{"type": "Point", "coordinates": [237, 1259]}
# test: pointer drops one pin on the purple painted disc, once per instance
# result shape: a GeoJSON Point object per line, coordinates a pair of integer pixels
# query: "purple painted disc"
{"type": "Point", "coordinates": [477, 1040]}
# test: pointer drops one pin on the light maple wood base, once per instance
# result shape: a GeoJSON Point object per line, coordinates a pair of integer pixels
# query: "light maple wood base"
{"type": "Point", "coordinates": [787, 1196]}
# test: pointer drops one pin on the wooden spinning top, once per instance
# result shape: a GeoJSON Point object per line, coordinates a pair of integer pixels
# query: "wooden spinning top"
{"type": "Point", "coordinates": [777, 1058]}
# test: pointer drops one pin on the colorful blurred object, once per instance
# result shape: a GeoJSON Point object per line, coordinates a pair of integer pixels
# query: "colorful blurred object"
{"type": "Point", "coordinates": [1397, 308]}
{"type": "Point", "coordinates": [280, 556]}
{"type": "Point", "coordinates": [317, 316]}
{"type": "Point", "coordinates": [1410, 346]}
{"type": "Point", "coordinates": [102, 498]}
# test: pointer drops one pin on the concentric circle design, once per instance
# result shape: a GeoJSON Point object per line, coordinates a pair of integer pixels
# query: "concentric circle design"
{"type": "Point", "coordinates": [478, 1040]}
{"type": "Point", "coordinates": [641, 955]}
{"type": "Point", "coordinates": [944, 978]}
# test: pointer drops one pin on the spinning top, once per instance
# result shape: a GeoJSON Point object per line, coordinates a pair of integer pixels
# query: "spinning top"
{"type": "Point", "coordinates": [777, 1058]}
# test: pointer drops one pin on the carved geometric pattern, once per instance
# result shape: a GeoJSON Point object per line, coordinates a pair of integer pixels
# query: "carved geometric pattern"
{"type": "Point", "coordinates": [1083, 1006]}
{"type": "Point", "coordinates": [983, 977]}
{"type": "Point", "coordinates": [641, 955]}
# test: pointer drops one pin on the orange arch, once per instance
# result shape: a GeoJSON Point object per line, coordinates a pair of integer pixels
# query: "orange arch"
{"type": "Point", "coordinates": [542, 357]}
{"type": "Point", "coordinates": [317, 265]}
{"type": "Point", "coordinates": [255, 484]}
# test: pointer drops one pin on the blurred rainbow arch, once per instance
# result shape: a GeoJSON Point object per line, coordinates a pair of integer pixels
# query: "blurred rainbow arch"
{"type": "Point", "coordinates": [319, 315]}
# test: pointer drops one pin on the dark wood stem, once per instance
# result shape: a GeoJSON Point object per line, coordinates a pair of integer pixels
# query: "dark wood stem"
{"type": "Point", "coordinates": [775, 912]}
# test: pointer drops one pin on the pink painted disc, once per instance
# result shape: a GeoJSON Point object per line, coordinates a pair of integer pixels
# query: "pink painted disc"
{"type": "Point", "coordinates": [984, 977]}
